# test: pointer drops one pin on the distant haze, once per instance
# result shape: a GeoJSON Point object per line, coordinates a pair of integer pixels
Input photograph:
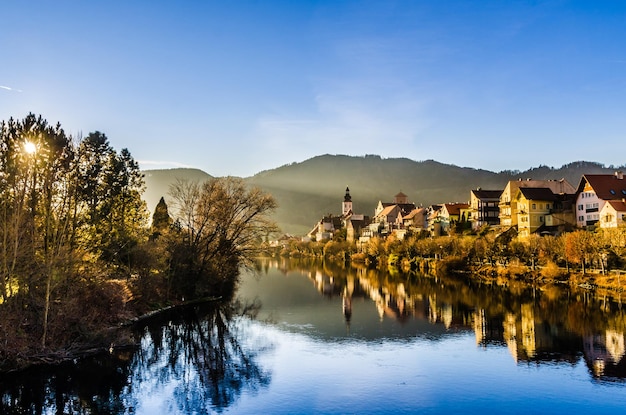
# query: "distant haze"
{"type": "Point", "coordinates": [308, 190]}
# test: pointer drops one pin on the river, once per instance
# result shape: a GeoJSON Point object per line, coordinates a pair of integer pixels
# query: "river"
{"type": "Point", "coordinates": [321, 339]}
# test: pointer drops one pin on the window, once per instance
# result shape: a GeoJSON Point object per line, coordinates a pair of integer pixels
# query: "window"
{"type": "Point", "coordinates": [580, 207]}
{"type": "Point", "coordinates": [534, 206]}
{"type": "Point", "coordinates": [547, 206]}
{"type": "Point", "coordinates": [541, 219]}
{"type": "Point", "coordinates": [612, 191]}
{"type": "Point", "coordinates": [581, 219]}
{"type": "Point", "coordinates": [623, 191]}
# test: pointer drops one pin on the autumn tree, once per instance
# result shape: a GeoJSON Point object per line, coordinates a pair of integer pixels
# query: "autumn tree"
{"type": "Point", "coordinates": [220, 224]}
{"type": "Point", "coordinates": [579, 248]}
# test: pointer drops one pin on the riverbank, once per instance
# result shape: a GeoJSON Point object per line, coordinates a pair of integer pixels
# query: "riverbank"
{"type": "Point", "coordinates": [108, 339]}
{"type": "Point", "coordinates": [609, 283]}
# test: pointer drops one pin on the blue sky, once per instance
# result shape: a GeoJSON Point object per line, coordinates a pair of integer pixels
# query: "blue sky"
{"type": "Point", "coordinates": [236, 87]}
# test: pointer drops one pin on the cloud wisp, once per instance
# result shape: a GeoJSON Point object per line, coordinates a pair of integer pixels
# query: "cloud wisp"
{"type": "Point", "coordinates": [8, 88]}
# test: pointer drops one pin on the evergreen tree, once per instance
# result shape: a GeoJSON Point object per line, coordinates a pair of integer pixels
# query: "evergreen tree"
{"type": "Point", "coordinates": [161, 219]}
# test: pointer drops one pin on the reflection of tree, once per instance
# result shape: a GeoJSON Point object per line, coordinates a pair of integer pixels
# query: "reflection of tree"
{"type": "Point", "coordinates": [199, 353]}
{"type": "Point", "coordinates": [202, 356]}
{"type": "Point", "coordinates": [90, 386]}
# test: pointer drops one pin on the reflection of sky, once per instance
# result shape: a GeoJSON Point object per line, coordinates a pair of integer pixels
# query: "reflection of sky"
{"type": "Point", "coordinates": [312, 376]}
{"type": "Point", "coordinates": [382, 365]}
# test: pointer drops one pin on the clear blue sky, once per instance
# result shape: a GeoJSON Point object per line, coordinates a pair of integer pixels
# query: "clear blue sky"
{"type": "Point", "coordinates": [236, 87]}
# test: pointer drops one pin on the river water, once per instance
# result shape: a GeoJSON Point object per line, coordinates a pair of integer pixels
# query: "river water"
{"type": "Point", "coordinates": [320, 339]}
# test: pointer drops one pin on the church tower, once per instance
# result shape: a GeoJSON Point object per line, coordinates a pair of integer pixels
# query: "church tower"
{"type": "Point", "coordinates": [346, 206]}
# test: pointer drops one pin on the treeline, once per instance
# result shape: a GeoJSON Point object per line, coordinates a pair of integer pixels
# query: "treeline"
{"type": "Point", "coordinates": [603, 250]}
{"type": "Point", "coordinates": [78, 253]}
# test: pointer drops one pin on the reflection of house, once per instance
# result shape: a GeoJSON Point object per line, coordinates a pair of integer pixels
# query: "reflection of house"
{"type": "Point", "coordinates": [604, 350]}
{"type": "Point", "coordinates": [484, 208]}
{"type": "Point", "coordinates": [594, 190]}
{"type": "Point", "coordinates": [508, 204]}
{"type": "Point", "coordinates": [613, 214]}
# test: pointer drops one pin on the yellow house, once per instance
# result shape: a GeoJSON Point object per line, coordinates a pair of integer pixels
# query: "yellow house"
{"type": "Point", "coordinates": [508, 204]}
{"type": "Point", "coordinates": [533, 205]}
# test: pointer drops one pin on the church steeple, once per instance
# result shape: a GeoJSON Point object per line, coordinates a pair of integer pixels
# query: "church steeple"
{"type": "Point", "coordinates": [346, 206]}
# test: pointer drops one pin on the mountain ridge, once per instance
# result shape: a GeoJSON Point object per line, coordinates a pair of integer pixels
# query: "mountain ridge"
{"type": "Point", "coordinates": [307, 190]}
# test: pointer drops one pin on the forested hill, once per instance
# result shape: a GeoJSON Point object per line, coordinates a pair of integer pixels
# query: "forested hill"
{"type": "Point", "coordinates": [159, 181]}
{"type": "Point", "coordinates": [308, 190]}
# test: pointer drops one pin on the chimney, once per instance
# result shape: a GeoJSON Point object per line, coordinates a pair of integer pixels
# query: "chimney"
{"type": "Point", "coordinates": [619, 175]}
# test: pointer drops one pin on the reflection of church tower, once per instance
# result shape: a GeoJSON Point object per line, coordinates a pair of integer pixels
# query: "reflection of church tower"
{"type": "Point", "coordinates": [346, 206]}
{"type": "Point", "coordinates": [348, 290]}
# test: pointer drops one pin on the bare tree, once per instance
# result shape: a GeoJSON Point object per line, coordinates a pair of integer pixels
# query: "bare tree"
{"type": "Point", "coordinates": [221, 225]}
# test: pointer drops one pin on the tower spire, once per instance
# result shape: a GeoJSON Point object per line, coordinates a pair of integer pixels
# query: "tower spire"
{"type": "Point", "coordinates": [346, 206]}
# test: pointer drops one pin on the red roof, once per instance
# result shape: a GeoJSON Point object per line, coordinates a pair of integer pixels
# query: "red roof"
{"type": "Point", "coordinates": [618, 205]}
{"type": "Point", "coordinates": [455, 208]}
{"type": "Point", "coordinates": [606, 186]}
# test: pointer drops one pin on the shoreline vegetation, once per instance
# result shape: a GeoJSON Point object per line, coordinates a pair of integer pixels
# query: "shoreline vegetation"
{"type": "Point", "coordinates": [593, 261]}
{"type": "Point", "coordinates": [79, 256]}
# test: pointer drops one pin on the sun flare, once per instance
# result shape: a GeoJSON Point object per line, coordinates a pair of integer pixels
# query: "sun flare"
{"type": "Point", "coordinates": [29, 147]}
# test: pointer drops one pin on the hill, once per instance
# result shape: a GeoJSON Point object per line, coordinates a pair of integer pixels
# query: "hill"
{"type": "Point", "coordinates": [159, 181]}
{"type": "Point", "coordinates": [308, 190]}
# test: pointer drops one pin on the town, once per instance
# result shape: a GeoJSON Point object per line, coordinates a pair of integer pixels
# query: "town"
{"type": "Point", "coordinates": [524, 207]}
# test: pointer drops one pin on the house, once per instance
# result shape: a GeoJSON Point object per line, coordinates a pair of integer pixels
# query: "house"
{"type": "Point", "coordinates": [484, 208]}
{"type": "Point", "coordinates": [533, 204]}
{"type": "Point", "coordinates": [451, 214]}
{"type": "Point", "coordinates": [325, 228]}
{"type": "Point", "coordinates": [613, 214]}
{"type": "Point", "coordinates": [593, 191]}
{"type": "Point", "coordinates": [401, 200]}
{"type": "Point", "coordinates": [432, 219]}
{"type": "Point", "coordinates": [562, 216]}
{"type": "Point", "coordinates": [539, 209]}
{"type": "Point", "coordinates": [417, 219]}
{"type": "Point", "coordinates": [389, 216]}
{"type": "Point", "coordinates": [355, 225]}
{"type": "Point", "coordinates": [508, 205]}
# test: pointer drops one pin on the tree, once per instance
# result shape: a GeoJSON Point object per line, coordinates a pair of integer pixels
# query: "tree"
{"type": "Point", "coordinates": [221, 222]}
{"type": "Point", "coordinates": [579, 247]}
{"type": "Point", "coordinates": [161, 219]}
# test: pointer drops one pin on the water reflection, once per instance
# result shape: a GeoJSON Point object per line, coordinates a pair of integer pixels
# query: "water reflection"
{"type": "Point", "coordinates": [553, 325]}
{"type": "Point", "coordinates": [196, 360]}
{"type": "Point", "coordinates": [312, 337]}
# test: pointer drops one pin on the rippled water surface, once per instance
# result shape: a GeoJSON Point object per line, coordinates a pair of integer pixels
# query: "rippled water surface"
{"type": "Point", "coordinates": [309, 338]}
